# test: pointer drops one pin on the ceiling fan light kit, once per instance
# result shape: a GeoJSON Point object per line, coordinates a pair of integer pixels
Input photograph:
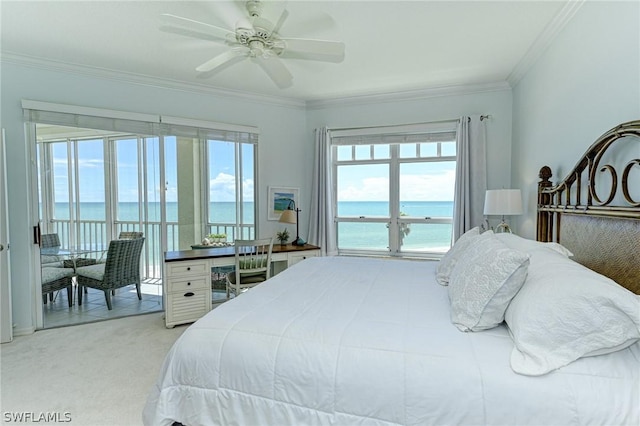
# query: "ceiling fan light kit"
{"type": "Point", "coordinates": [258, 39]}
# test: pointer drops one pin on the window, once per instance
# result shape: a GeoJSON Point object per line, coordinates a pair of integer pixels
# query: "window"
{"type": "Point", "coordinates": [231, 194]}
{"type": "Point", "coordinates": [394, 190]}
{"type": "Point", "coordinates": [101, 172]}
{"type": "Point", "coordinates": [93, 187]}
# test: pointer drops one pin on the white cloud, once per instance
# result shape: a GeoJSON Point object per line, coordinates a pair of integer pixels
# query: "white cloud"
{"type": "Point", "coordinates": [369, 189]}
{"type": "Point", "coordinates": [432, 187]}
{"type": "Point", "coordinates": [91, 163]}
{"type": "Point", "coordinates": [247, 189]}
{"type": "Point", "coordinates": [415, 187]}
{"type": "Point", "coordinates": [223, 188]}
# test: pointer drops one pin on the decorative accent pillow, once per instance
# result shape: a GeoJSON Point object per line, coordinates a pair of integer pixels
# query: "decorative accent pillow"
{"type": "Point", "coordinates": [566, 311]}
{"type": "Point", "coordinates": [448, 261]}
{"type": "Point", "coordinates": [523, 244]}
{"type": "Point", "coordinates": [483, 282]}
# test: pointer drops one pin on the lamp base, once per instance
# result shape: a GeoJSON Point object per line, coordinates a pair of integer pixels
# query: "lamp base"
{"type": "Point", "coordinates": [298, 242]}
{"type": "Point", "coordinates": [503, 228]}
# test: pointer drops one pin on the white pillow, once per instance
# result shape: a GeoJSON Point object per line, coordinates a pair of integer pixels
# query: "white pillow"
{"type": "Point", "coordinates": [523, 244]}
{"type": "Point", "coordinates": [566, 311]}
{"type": "Point", "coordinates": [448, 261]}
{"type": "Point", "coordinates": [483, 282]}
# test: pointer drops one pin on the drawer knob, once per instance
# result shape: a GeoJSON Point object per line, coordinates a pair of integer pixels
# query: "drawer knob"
{"type": "Point", "coordinates": [188, 268]}
{"type": "Point", "coordinates": [188, 283]}
{"type": "Point", "coordinates": [189, 294]}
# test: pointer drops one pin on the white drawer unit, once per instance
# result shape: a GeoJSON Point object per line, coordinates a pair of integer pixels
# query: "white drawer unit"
{"type": "Point", "coordinates": [187, 290]}
{"type": "Point", "coordinates": [298, 256]}
{"type": "Point", "coordinates": [187, 277]}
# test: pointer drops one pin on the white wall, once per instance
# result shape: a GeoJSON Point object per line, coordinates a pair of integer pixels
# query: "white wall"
{"type": "Point", "coordinates": [587, 82]}
{"type": "Point", "coordinates": [284, 141]}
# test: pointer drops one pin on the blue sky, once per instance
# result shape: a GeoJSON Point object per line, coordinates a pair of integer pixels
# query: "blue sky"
{"type": "Point", "coordinates": [91, 172]}
{"type": "Point", "coordinates": [431, 181]}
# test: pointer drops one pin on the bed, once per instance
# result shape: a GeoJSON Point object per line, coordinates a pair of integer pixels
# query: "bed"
{"type": "Point", "coordinates": [502, 330]}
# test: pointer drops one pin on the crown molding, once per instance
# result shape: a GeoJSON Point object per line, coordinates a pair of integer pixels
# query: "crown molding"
{"type": "Point", "coordinates": [409, 95]}
{"type": "Point", "coordinates": [132, 78]}
{"type": "Point", "coordinates": [145, 80]}
{"type": "Point", "coordinates": [544, 40]}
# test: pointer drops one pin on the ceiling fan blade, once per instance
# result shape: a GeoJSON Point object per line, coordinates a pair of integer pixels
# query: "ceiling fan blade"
{"type": "Point", "coordinates": [224, 60]}
{"type": "Point", "coordinates": [191, 28]}
{"type": "Point", "coordinates": [316, 50]}
{"type": "Point", "coordinates": [283, 17]}
{"type": "Point", "coordinates": [276, 70]}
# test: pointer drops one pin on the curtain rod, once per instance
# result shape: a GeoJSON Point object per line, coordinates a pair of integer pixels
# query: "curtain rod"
{"type": "Point", "coordinates": [482, 117]}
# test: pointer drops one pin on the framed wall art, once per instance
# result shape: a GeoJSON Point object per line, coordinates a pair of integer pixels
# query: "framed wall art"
{"type": "Point", "coordinates": [279, 199]}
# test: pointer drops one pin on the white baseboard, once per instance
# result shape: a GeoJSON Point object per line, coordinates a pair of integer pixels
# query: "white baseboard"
{"type": "Point", "coordinates": [23, 331]}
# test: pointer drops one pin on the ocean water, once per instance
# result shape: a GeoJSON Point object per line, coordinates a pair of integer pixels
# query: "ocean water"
{"type": "Point", "coordinates": [350, 235]}
{"type": "Point", "coordinates": [419, 237]}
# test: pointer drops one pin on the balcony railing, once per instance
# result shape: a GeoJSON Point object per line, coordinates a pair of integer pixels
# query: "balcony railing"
{"type": "Point", "coordinates": [92, 233]}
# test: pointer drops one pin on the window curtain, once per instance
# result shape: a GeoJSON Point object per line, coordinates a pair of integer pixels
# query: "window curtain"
{"type": "Point", "coordinates": [471, 175]}
{"type": "Point", "coordinates": [322, 228]}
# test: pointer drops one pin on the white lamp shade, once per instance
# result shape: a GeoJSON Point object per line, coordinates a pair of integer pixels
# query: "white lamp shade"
{"type": "Point", "coordinates": [503, 202]}
{"type": "Point", "coordinates": [288, 216]}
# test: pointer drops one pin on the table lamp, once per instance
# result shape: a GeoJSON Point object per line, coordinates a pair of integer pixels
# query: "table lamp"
{"type": "Point", "coordinates": [287, 216]}
{"type": "Point", "coordinates": [503, 202]}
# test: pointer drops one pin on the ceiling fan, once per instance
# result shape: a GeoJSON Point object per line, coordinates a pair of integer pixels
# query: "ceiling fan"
{"type": "Point", "coordinates": [257, 38]}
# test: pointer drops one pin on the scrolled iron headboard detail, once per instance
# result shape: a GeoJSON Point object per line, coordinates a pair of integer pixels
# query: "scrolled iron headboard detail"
{"type": "Point", "coordinates": [603, 234]}
{"type": "Point", "coordinates": [558, 198]}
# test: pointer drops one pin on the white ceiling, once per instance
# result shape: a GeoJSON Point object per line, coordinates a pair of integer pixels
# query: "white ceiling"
{"type": "Point", "coordinates": [391, 46]}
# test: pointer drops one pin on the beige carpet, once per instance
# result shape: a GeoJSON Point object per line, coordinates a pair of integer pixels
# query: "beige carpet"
{"type": "Point", "coordinates": [98, 374]}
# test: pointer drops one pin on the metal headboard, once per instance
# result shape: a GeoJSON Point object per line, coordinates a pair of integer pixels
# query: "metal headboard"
{"type": "Point", "coordinates": [603, 233]}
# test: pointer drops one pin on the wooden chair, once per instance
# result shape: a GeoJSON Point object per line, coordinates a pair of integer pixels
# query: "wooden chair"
{"type": "Point", "coordinates": [252, 266]}
{"type": "Point", "coordinates": [122, 268]}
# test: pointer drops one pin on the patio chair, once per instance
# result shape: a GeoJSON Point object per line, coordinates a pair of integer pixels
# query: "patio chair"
{"type": "Point", "coordinates": [54, 279]}
{"type": "Point", "coordinates": [49, 243]}
{"type": "Point", "coordinates": [123, 235]}
{"type": "Point", "coordinates": [121, 269]}
{"type": "Point", "coordinates": [253, 265]}
{"type": "Point", "coordinates": [129, 235]}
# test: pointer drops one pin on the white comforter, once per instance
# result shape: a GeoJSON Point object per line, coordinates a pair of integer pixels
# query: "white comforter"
{"type": "Point", "coordinates": [339, 340]}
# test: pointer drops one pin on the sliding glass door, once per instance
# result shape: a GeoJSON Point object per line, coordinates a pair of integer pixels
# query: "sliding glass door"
{"type": "Point", "coordinates": [92, 189]}
{"type": "Point", "coordinates": [95, 184]}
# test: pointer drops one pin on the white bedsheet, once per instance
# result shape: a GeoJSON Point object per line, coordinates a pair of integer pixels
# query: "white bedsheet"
{"type": "Point", "coordinates": [339, 340]}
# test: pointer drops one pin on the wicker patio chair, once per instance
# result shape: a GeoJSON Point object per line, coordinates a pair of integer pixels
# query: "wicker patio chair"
{"type": "Point", "coordinates": [54, 279]}
{"type": "Point", "coordinates": [122, 268]}
{"type": "Point", "coordinates": [129, 235]}
{"type": "Point", "coordinates": [123, 235]}
{"type": "Point", "coordinates": [49, 240]}
{"type": "Point", "coordinates": [253, 265]}
{"type": "Point", "coordinates": [48, 245]}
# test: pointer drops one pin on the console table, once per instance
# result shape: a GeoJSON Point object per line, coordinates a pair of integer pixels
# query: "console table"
{"type": "Point", "coordinates": [187, 277]}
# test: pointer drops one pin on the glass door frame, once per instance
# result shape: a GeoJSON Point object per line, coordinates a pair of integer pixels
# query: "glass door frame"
{"type": "Point", "coordinates": [40, 168]}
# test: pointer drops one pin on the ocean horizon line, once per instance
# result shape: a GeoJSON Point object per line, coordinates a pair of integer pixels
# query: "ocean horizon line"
{"type": "Point", "coordinates": [250, 202]}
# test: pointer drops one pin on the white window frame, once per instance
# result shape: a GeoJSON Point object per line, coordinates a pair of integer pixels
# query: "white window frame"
{"type": "Point", "coordinates": [392, 136]}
